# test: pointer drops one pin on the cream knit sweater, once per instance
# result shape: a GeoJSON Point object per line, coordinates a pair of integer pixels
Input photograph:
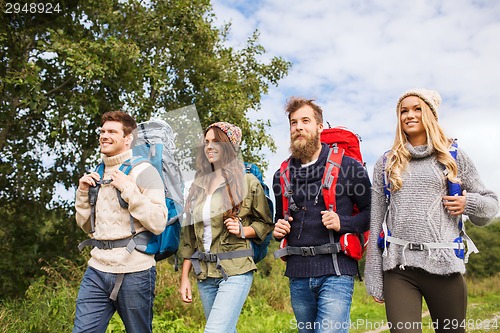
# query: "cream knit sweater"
{"type": "Point", "coordinates": [417, 214]}
{"type": "Point", "coordinates": [145, 196]}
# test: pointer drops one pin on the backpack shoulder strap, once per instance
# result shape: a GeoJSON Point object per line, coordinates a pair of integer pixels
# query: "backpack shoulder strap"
{"type": "Point", "coordinates": [454, 149]}
{"type": "Point", "coordinates": [93, 192]}
{"type": "Point", "coordinates": [126, 168]}
{"type": "Point", "coordinates": [330, 176]}
{"type": "Point", "coordinates": [254, 170]}
{"type": "Point", "coordinates": [328, 185]}
{"type": "Point", "coordinates": [385, 179]}
{"type": "Point", "coordinates": [286, 190]}
{"type": "Point", "coordinates": [132, 162]}
{"type": "Point", "coordinates": [100, 169]}
{"type": "Point", "coordinates": [454, 188]}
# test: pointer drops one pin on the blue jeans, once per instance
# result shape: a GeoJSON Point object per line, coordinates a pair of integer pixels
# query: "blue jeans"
{"type": "Point", "coordinates": [322, 304]}
{"type": "Point", "coordinates": [134, 302]}
{"type": "Point", "coordinates": [223, 300]}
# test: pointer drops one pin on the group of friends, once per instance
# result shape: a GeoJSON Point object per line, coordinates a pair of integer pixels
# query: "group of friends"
{"type": "Point", "coordinates": [411, 252]}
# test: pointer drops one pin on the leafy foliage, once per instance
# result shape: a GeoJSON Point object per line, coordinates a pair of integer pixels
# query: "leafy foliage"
{"type": "Point", "coordinates": [487, 239]}
{"type": "Point", "coordinates": [49, 302]}
{"type": "Point", "coordinates": [59, 72]}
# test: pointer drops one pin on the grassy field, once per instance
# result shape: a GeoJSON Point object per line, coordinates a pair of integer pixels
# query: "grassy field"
{"type": "Point", "coordinates": [49, 304]}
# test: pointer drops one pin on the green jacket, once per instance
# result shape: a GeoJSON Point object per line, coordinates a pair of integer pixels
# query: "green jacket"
{"type": "Point", "coordinates": [254, 212]}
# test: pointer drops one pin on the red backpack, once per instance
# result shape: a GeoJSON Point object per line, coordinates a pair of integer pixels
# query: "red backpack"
{"type": "Point", "coordinates": [342, 141]}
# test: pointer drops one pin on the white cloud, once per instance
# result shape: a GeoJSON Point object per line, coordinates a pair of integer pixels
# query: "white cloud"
{"type": "Point", "coordinates": [356, 57]}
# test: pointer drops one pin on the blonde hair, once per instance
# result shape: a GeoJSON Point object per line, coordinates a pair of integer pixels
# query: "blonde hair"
{"type": "Point", "coordinates": [399, 156]}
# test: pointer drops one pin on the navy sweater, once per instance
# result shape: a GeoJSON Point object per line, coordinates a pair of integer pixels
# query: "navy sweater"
{"type": "Point", "coordinates": [353, 187]}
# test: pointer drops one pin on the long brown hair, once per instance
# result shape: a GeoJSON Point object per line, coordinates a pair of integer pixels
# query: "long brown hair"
{"type": "Point", "coordinates": [231, 168]}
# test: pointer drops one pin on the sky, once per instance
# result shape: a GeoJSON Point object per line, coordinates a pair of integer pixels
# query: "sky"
{"type": "Point", "coordinates": [356, 57]}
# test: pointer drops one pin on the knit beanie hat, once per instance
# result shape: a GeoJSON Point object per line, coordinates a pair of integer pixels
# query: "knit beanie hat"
{"type": "Point", "coordinates": [233, 132]}
{"type": "Point", "coordinates": [430, 97]}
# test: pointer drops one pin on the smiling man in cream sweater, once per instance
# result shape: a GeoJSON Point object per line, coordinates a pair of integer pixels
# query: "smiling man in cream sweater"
{"type": "Point", "coordinates": [118, 279]}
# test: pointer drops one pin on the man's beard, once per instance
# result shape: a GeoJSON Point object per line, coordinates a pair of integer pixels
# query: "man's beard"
{"type": "Point", "coordinates": [304, 149]}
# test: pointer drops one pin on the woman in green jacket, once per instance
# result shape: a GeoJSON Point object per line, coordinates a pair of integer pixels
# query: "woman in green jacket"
{"type": "Point", "coordinates": [226, 207]}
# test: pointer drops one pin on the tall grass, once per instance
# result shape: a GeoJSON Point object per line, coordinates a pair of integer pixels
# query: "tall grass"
{"type": "Point", "coordinates": [49, 303]}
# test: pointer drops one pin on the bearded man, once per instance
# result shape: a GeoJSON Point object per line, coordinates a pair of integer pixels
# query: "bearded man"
{"type": "Point", "coordinates": [321, 288]}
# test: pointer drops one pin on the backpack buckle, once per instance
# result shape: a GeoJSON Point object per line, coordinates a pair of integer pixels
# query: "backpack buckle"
{"type": "Point", "coordinates": [107, 245]}
{"type": "Point", "coordinates": [208, 257]}
{"type": "Point", "coordinates": [308, 251]}
{"type": "Point", "coordinates": [334, 247]}
{"type": "Point", "coordinates": [416, 247]}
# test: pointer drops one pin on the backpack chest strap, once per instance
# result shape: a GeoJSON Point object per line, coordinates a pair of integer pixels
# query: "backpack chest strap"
{"type": "Point", "coordinates": [412, 246]}
{"type": "Point", "coordinates": [216, 258]}
{"type": "Point", "coordinates": [131, 243]}
{"type": "Point", "coordinates": [307, 251]}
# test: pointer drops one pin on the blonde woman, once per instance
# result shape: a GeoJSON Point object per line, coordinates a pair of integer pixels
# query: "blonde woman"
{"type": "Point", "coordinates": [416, 254]}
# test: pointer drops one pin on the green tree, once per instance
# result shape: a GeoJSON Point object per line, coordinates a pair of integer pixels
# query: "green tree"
{"type": "Point", "coordinates": [487, 239]}
{"type": "Point", "coordinates": [60, 71]}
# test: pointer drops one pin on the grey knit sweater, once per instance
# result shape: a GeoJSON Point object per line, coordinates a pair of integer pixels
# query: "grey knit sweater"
{"type": "Point", "coordinates": [417, 214]}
